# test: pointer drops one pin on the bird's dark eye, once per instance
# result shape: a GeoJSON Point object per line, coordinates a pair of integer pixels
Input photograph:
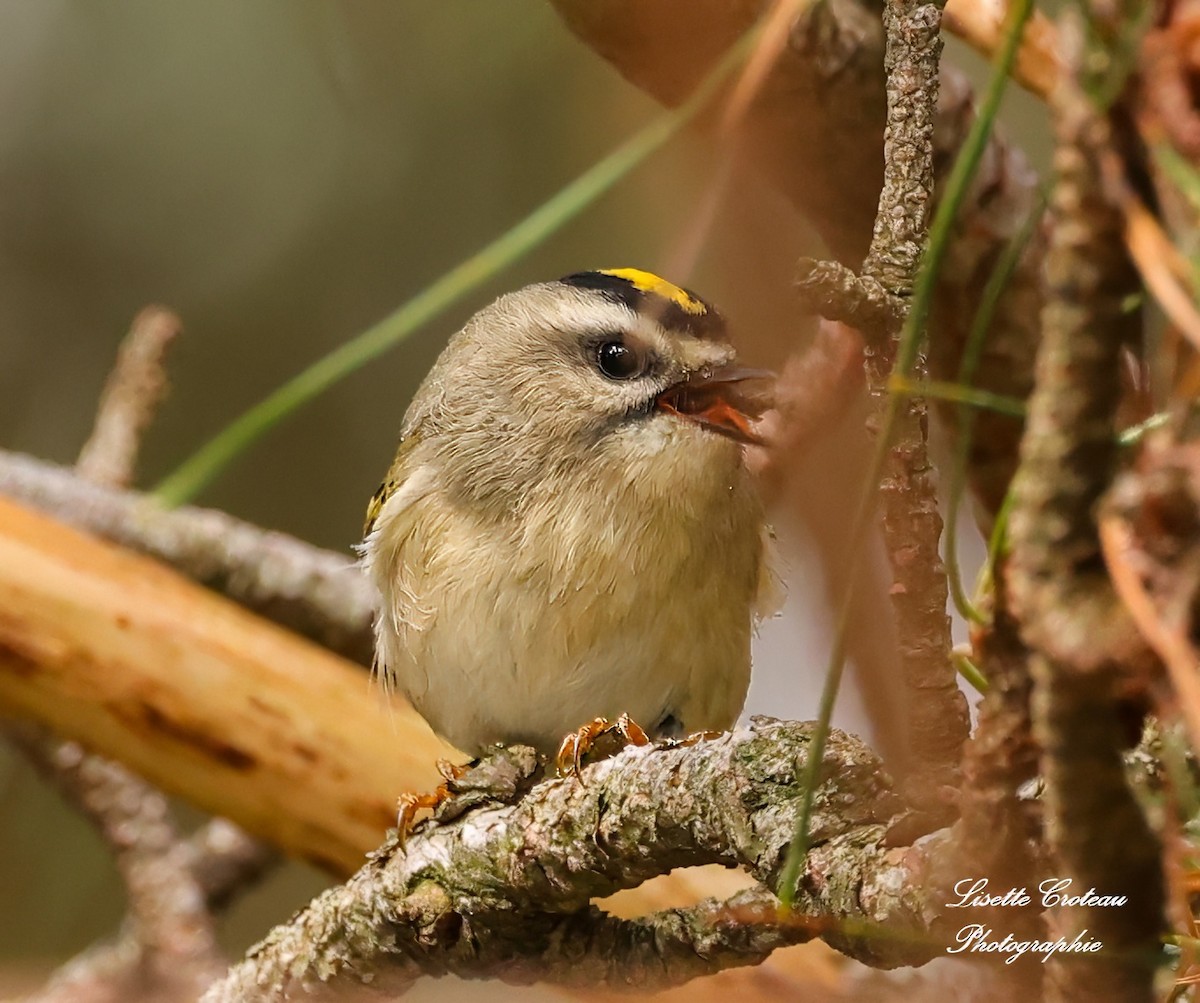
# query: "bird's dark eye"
{"type": "Point", "coordinates": [618, 361]}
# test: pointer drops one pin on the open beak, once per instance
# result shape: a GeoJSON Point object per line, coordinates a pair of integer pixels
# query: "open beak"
{"type": "Point", "coordinates": [725, 401]}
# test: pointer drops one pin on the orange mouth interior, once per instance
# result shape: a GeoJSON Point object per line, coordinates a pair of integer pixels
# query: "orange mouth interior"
{"type": "Point", "coordinates": [710, 407]}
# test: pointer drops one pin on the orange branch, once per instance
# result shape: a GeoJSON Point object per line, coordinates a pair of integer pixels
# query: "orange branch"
{"type": "Point", "coordinates": [201, 698]}
{"type": "Point", "coordinates": [1180, 658]}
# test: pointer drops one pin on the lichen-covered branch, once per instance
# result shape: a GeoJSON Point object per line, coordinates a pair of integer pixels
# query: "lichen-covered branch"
{"type": "Point", "coordinates": [936, 713]}
{"type": "Point", "coordinates": [912, 54]}
{"type": "Point", "coordinates": [503, 891]}
{"type": "Point", "coordinates": [1057, 576]}
{"type": "Point", "coordinates": [837, 293]}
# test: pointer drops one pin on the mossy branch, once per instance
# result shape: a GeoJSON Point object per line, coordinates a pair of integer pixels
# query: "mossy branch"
{"type": "Point", "coordinates": [504, 890]}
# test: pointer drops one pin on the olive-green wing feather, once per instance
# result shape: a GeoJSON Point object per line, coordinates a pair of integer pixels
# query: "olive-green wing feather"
{"type": "Point", "coordinates": [391, 483]}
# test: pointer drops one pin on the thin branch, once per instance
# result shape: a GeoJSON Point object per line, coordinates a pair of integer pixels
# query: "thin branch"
{"type": "Point", "coordinates": [200, 697]}
{"type": "Point", "coordinates": [168, 947]}
{"type": "Point", "coordinates": [899, 463]}
{"type": "Point", "coordinates": [1070, 453]}
{"type": "Point", "coordinates": [815, 131]}
{"type": "Point", "coordinates": [503, 891]}
{"type": "Point", "coordinates": [222, 859]}
{"type": "Point", "coordinates": [837, 293]}
{"type": "Point", "coordinates": [225, 861]}
{"type": "Point", "coordinates": [316, 593]}
{"type": "Point", "coordinates": [1068, 612]}
{"type": "Point", "coordinates": [135, 388]}
{"type": "Point", "coordinates": [936, 712]}
{"type": "Point", "coordinates": [914, 46]}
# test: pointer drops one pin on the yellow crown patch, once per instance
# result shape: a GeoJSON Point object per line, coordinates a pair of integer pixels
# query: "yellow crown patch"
{"type": "Point", "coordinates": [648, 282]}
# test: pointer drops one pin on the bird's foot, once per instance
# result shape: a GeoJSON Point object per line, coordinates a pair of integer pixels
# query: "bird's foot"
{"type": "Point", "coordinates": [500, 776]}
{"type": "Point", "coordinates": [578, 744]}
{"type": "Point", "coordinates": [409, 804]}
{"type": "Point", "coordinates": [454, 771]}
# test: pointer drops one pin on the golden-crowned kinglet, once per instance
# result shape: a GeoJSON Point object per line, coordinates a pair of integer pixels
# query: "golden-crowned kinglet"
{"type": "Point", "coordinates": [568, 530]}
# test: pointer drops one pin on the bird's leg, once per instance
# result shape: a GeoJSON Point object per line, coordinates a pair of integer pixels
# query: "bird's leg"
{"type": "Point", "coordinates": [577, 744]}
{"type": "Point", "coordinates": [503, 775]}
{"type": "Point", "coordinates": [454, 771]}
{"type": "Point", "coordinates": [409, 803]}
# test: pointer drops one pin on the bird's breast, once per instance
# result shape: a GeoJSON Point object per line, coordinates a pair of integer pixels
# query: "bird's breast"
{"type": "Point", "coordinates": [607, 589]}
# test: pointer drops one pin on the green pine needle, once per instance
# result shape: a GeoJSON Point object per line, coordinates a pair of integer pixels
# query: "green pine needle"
{"type": "Point", "coordinates": [207, 463]}
{"type": "Point", "coordinates": [961, 175]}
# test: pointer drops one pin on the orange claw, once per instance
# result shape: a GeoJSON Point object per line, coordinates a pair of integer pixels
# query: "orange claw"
{"type": "Point", "coordinates": [575, 746]}
{"type": "Point", "coordinates": [452, 771]}
{"type": "Point", "coordinates": [408, 804]}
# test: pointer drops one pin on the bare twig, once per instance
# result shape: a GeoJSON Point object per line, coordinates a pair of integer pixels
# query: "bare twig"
{"type": "Point", "coordinates": [115, 972]}
{"type": "Point", "coordinates": [134, 391]}
{"type": "Point", "coordinates": [130, 399]}
{"type": "Point", "coordinates": [224, 861]}
{"type": "Point", "coordinates": [168, 948]}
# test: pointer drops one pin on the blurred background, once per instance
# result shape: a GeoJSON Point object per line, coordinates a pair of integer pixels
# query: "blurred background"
{"type": "Point", "coordinates": [282, 174]}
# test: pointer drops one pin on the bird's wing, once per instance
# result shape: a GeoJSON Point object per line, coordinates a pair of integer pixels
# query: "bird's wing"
{"type": "Point", "coordinates": [391, 557]}
{"type": "Point", "coordinates": [396, 476]}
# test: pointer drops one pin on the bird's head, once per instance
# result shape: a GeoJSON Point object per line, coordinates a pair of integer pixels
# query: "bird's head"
{"type": "Point", "coordinates": [617, 365]}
